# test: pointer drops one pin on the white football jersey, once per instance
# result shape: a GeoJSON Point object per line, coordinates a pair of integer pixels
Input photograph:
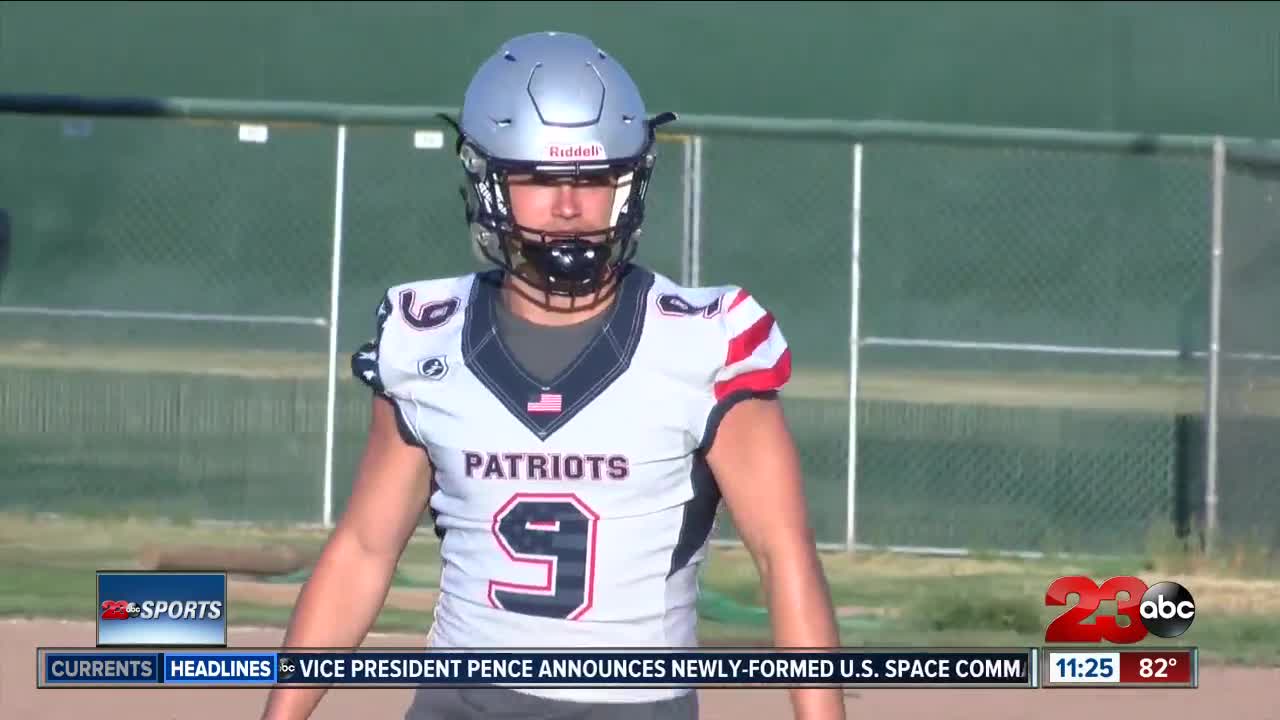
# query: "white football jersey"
{"type": "Point", "coordinates": [573, 513]}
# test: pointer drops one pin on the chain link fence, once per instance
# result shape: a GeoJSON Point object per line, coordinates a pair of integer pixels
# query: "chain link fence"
{"type": "Point", "coordinates": [1030, 318]}
{"type": "Point", "coordinates": [1022, 314]}
{"type": "Point", "coordinates": [163, 327]}
{"type": "Point", "coordinates": [165, 316]}
{"type": "Point", "coordinates": [1246, 473]}
{"type": "Point", "coordinates": [776, 221]}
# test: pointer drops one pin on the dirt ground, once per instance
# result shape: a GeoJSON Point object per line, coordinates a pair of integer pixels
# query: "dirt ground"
{"type": "Point", "coordinates": [1238, 693]}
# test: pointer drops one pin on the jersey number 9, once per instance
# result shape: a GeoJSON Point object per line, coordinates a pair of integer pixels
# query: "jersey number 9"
{"type": "Point", "coordinates": [556, 531]}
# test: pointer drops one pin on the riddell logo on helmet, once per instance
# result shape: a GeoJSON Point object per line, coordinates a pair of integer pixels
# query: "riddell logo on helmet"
{"type": "Point", "coordinates": [589, 151]}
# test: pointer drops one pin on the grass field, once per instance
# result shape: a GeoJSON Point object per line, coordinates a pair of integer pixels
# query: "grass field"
{"type": "Point", "coordinates": [47, 571]}
{"type": "Point", "coordinates": [997, 458]}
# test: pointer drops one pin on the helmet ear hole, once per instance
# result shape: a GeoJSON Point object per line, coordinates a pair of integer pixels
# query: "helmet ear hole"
{"type": "Point", "coordinates": [472, 161]}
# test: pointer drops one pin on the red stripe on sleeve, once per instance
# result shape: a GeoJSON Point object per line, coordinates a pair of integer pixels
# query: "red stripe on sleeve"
{"type": "Point", "coordinates": [741, 347]}
{"type": "Point", "coordinates": [763, 380]}
{"type": "Point", "coordinates": [742, 295]}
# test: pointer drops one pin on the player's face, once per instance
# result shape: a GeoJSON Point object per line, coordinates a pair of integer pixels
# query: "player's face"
{"type": "Point", "coordinates": [559, 205]}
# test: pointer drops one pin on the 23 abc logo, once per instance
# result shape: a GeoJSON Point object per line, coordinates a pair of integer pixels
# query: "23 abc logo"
{"type": "Point", "coordinates": [120, 610]}
{"type": "Point", "coordinates": [1165, 610]}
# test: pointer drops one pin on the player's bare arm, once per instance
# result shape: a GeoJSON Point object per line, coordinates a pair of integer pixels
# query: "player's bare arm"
{"type": "Point", "coordinates": [755, 462]}
{"type": "Point", "coordinates": [340, 602]}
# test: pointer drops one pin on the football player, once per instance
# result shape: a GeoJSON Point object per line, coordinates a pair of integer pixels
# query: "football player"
{"type": "Point", "coordinates": [571, 420]}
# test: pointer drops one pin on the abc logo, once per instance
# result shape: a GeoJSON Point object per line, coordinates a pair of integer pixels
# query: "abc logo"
{"type": "Point", "coordinates": [1167, 609]}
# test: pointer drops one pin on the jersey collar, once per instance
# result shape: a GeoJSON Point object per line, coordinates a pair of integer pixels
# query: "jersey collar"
{"type": "Point", "coordinates": [545, 408]}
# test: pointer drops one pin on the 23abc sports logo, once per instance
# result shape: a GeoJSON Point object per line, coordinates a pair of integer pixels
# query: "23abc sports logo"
{"type": "Point", "coordinates": [157, 609]}
{"type": "Point", "coordinates": [1165, 610]}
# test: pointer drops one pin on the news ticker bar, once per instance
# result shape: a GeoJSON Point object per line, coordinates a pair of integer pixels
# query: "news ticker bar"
{"type": "Point", "coordinates": [565, 668]}
{"type": "Point", "coordinates": [541, 667]}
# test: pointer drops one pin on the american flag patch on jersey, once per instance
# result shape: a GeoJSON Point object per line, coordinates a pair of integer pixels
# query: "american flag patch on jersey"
{"type": "Point", "coordinates": [546, 403]}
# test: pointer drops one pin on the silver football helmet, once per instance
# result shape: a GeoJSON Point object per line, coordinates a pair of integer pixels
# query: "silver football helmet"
{"type": "Point", "coordinates": [555, 105]}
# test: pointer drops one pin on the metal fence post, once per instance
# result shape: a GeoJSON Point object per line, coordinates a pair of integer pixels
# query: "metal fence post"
{"type": "Point", "coordinates": [855, 269]}
{"type": "Point", "coordinates": [1215, 328]}
{"type": "Point", "coordinates": [335, 293]}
